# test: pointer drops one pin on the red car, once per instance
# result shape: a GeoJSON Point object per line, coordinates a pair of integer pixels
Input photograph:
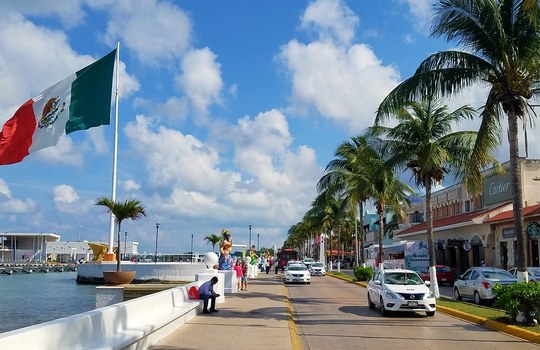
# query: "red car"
{"type": "Point", "coordinates": [444, 274]}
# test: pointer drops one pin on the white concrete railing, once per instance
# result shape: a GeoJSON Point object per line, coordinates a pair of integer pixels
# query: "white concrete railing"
{"type": "Point", "coordinates": [134, 324]}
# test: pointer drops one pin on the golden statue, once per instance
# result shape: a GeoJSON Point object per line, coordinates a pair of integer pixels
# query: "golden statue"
{"type": "Point", "coordinates": [226, 262]}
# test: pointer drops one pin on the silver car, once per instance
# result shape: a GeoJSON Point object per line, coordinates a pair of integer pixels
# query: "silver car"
{"type": "Point", "coordinates": [476, 283]}
{"type": "Point", "coordinates": [533, 272]}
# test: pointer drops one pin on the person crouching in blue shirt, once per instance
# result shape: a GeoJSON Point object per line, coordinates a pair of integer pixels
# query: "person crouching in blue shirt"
{"type": "Point", "coordinates": [206, 291]}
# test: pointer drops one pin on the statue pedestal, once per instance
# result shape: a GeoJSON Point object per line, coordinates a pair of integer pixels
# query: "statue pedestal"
{"type": "Point", "coordinates": [230, 280]}
{"type": "Point", "coordinates": [219, 287]}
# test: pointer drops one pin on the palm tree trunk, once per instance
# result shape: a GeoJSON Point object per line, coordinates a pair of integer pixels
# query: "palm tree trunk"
{"type": "Point", "coordinates": [118, 250]}
{"type": "Point", "coordinates": [431, 246]}
{"type": "Point", "coordinates": [362, 232]}
{"type": "Point", "coordinates": [517, 197]}
{"type": "Point", "coordinates": [381, 234]}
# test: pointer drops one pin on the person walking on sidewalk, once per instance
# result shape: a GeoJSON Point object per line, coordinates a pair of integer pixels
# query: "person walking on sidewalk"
{"type": "Point", "coordinates": [244, 275]}
{"type": "Point", "coordinates": [206, 291]}
{"type": "Point", "coordinates": [239, 275]}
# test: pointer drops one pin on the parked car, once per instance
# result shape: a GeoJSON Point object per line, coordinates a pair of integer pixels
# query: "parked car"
{"type": "Point", "coordinates": [443, 272]}
{"type": "Point", "coordinates": [342, 264]}
{"type": "Point", "coordinates": [533, 272]}
{"type": "Point", "coordinates": [297, 273]}
{"type": "Point", "coordinates": [317, 268]}
{"type": "Point", "coordinates": [476, 283]}
{"type": "Point", "coordinates": [400, 290]}
{"type": "Point", "coordinates": [308, 261]}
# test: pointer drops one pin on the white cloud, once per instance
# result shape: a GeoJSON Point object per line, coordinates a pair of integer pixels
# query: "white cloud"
{"type": "Point", "coordinates": [64, 152]}
{"type": "Point", "coordinates": [64, 194]}
{"type": "Point", "coordinates": [343, 84]}
{"type": "Point", "coordinates": [153, 30]}
{"type": "Point", "coordinates": [69, 11]}
{"type": "Point", "coordinates": [201, 79]}
{"type": "Point", "coordinates": [173, 111]}
{"type": "Point", "coordinates": [420, 11]}
{"type": "Point", "coordinates": [10, 205]}
{"type": "Point", "coordinates": [330, 19]}
{"type": "Point", "coordinates": [130, 185]}
{"type": "Point", "coordinates": [67, 200]}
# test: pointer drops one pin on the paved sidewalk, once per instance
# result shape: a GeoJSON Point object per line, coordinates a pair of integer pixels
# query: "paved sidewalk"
{"type": "Point", "coordinates": [253, 319]}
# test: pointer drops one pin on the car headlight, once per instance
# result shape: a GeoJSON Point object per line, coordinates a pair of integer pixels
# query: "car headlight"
{"type": "Point", "coordinates": [391, 295]}
{"type": "Point", "coordinates": [288, 275]}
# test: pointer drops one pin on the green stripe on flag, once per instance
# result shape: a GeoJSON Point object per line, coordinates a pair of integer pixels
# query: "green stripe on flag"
{"type": "Point", "coordinates": [91, 95]}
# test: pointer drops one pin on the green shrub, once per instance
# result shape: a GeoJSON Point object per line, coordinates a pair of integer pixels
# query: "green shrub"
{"type": "Point", "coordinates": [519, 297]}
{"type": "Point", "coordinates": [363, 273]}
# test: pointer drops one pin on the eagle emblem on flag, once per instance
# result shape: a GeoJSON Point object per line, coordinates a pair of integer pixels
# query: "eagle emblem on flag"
{"type": "Point", "coordinates": [51, 112]}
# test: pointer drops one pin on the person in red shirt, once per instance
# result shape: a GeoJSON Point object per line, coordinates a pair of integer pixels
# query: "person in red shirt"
{"type": "Point", "coordinates": [239, 274]}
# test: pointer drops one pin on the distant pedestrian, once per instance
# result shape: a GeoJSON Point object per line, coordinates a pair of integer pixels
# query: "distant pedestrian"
{"type": "Point", "coordinates": [482, 263]}
{"type": "Point", "coordinates": [244, 275]}
{"type": "Point", "coordinates": [239, 275]}
{"type": "Point", "coordinates": [206, 291]}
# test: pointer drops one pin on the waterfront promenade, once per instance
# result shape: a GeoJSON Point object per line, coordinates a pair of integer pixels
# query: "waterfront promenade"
{"type": "Point", "coordinates": [254, 319]}
{"type": "Point", "coordinates": [330, 313]}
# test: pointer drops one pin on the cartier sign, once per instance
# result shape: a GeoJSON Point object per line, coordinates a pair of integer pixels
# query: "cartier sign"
{"type": "Point", "coordinates": [497, 189]}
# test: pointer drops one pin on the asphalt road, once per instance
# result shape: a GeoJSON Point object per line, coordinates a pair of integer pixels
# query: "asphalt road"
{"type": "Point", "coordinates": [333, 314]}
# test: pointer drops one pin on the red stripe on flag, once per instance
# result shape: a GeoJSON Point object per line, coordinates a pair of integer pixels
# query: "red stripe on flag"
{"type": "Point", "coordinates": [16, 135]}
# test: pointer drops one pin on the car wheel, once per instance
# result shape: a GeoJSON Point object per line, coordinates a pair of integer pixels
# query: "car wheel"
{"type": "Point", "coordinates": [430, 313]}
{"type": "Point", "coordinates": [383, 309]}
{"type": "Point", "coordinates": [477, 299]}
{"type": "Point", "coordinates": [457, 296]}
{"type": "Point", "coordinates": [369, 302]}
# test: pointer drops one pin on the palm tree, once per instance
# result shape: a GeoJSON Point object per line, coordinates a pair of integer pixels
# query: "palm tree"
{"type": "Point", "coordinates": [359, 172]}
{"type": "Point", "coordinates": [129, 209]}
{"type": "Point", "coordinates": [423, 142]}
{"type": "Point", "coordinates": [348, 172]}
{"type": "Point", "coordinates": [214, 239]}
{"type": "Point", "coordinates": [501, 42]}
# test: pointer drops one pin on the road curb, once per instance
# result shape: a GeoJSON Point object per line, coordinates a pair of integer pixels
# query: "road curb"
{"type": "Point", "coordinates": [481, 321]}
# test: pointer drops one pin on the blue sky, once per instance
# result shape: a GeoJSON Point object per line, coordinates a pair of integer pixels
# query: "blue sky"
{"type": "Point", "coordinates": [229, 110]}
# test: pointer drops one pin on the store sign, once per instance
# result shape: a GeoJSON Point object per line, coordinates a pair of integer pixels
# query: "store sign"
{"type": "Point", "coordinates": [467, 246]}
{"type": "Point", "coordinates": [533, 229]}
{"type": "Point", "coordinates": [497, 189]}
{"type": "Point", "coordinates": [509, 232]}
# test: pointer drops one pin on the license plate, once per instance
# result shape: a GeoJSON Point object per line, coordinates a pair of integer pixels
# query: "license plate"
{"type": "Point", "coordinates": [443, 279]}
{"type": "Point", "coordinates": [413, 303]}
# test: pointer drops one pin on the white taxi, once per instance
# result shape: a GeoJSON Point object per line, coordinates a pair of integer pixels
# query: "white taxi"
{"type": "Point", "coordinates": [400, 290]}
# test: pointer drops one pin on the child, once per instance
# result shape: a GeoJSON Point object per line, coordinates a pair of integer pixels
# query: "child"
{"type": "Point", "coordinates": [239, 275]}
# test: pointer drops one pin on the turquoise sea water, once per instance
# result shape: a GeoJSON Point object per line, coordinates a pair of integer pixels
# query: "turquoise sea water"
{"type": "Point", "coordinates": [28, 299]}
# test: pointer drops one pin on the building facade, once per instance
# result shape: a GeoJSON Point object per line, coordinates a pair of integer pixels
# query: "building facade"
{"type": "Point", "coordinates": [468, 230]}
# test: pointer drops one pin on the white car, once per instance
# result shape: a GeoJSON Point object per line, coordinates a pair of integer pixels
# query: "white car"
{"type": "Point", "coordinates": [308, 262]}
{"type": "Point", "coordinates": [400, 290]}
{"type": "Point", "coordinates": [317, 268]}
{"type": "Point", "coordinates": [297, 273]}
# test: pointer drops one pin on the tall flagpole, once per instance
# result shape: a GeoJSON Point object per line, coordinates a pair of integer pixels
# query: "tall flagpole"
{"type": "Point", "coordinates": [115, 149]}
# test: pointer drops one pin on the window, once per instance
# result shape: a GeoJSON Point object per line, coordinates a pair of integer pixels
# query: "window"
{"type": "Point", "coordinates": [467, 206]}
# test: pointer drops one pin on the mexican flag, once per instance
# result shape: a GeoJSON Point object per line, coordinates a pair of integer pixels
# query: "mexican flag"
{"type": "Point", "coordinates": [79, 102]}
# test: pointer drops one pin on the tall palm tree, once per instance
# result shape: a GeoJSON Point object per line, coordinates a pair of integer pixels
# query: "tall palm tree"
{"type": "Point", "coordinates": [501, 41]}
{"type": "Point", "coordinates": [423, 142]}
{"type": "Point", "coordinates": [359, 172]}
{"type": "Point", "coordinates": [348, 172]}
{"type": "Point", "coordinates": [128, 209]}
{"type": "Point", "coordinates": [214, 239]}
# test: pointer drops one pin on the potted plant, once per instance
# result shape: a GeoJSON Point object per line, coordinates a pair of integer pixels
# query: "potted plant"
{"type": "Point", "coordinates": [129, 209]}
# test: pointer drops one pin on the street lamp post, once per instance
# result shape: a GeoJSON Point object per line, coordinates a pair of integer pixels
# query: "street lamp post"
{"type": "Point", "coordinates": [157, 235]}
{"type": "Point", "coordinates": [249, 226]}
{"type": "Point", "coordinates": [192, 248]}
{"type": "Point", "coordinates": [125, 244]}
{"type": "Point", "coordinates": [258, 244]}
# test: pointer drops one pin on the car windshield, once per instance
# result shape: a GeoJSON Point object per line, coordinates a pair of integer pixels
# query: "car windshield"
{"type": "Point", "coordinates": [534, 272]}
{"type": "Point", "coordinates": [497, 275]}
{"type": "Point", "coordinates": [443, 269]}
{"type": "Point", "coordinates": [317, 264]}
{"type": "Point", "coordinates": [403, 278]}
{"type": "Point", "coordinates": [297, 268]}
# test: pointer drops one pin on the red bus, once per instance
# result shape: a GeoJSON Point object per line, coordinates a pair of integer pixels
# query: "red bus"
{"type": "Point", "coordinates": [283, 257]}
